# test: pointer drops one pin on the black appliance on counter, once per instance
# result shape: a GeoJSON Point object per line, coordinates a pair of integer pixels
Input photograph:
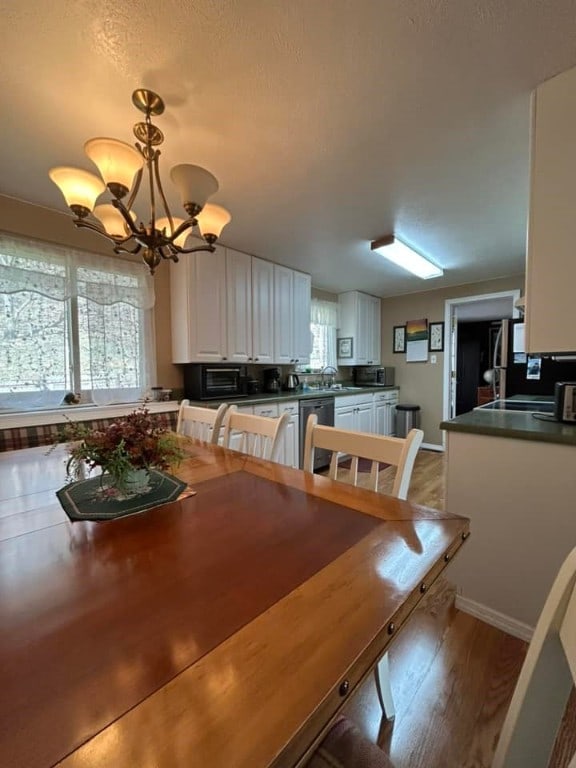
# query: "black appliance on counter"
{"type": "Point", "coordinates": [214, 382]}
{"type": "Point", "coordinates": [373, 376]}
{"type": "Point", "coordinates": [272, 380]}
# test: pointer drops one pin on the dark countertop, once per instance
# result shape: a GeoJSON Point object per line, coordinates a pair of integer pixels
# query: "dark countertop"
{"type": "Point", "coordinates": [282, 397]}
{"type": "Point", "coordinates": [512, 424]}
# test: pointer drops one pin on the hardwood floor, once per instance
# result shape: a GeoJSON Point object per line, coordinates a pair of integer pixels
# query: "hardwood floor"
{"type": "Point", "coordinates": [452, 675]}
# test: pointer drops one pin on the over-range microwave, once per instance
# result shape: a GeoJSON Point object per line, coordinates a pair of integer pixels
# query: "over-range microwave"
{"type": "Point", "coordinates": [374, 376]}
{"type": "Point", "coordinates": [214, 382]}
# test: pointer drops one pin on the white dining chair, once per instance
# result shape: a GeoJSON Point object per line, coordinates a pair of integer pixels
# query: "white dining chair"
{"type": "Point", "coordinates": [397, 451]}
{"type": "Point", "coordinates": [259, 436]}
{"type": "Point", "coordinates": [537, 706]}
{"type": "Point", "coordinates": [546, 679]}
{"type": "Point", "coordinates": [201, 423]}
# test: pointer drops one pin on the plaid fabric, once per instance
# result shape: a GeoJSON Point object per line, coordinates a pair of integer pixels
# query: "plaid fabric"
{"type": "Point", "coordinates": [47, 434]}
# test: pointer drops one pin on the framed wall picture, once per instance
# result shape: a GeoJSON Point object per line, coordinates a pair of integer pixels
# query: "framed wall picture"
{"type": "Point", "coordinates": [345, 347]}
{"type": "Point", "coordinates": [399, 339]}
{"type": "Point", "coordinates": [436, 337]}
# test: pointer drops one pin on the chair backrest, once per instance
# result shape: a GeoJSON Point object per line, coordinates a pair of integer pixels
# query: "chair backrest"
{"type": "Point", "coordinates": [546, 679]}
{"type": "Point", "coordinates": [401, 452]}
{"type": "Point", "coordinates": [260, 436]}
{"type": "Point", "coordinates": [201, 423]}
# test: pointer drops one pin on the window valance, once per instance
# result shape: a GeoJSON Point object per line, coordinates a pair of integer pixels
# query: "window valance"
{"type": "Point", "coordinates": [60, 273]}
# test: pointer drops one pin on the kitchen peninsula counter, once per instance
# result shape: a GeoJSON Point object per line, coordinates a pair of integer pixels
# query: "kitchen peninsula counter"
{"type": "Point", "coordinates": [512, 424]}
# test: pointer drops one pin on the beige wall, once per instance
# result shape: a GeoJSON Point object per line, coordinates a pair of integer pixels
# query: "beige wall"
{"type": "Point", "coordinates": [41, 223]}
{"type": "Point", "coordinates": [422, 383]}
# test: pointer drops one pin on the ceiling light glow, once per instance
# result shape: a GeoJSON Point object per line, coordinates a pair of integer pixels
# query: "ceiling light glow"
{"type": "Point", "coordinates": [400, 254]}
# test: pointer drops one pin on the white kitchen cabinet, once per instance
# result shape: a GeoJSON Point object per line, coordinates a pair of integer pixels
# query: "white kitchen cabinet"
{"type": "Point", "coordinates": [238, 306]}
{"type": "Point", "coordinates": [302, 335]}
{"type": "Point", "coordinates": [385, 412]}
{"type": "Point", "coordinates": [283, 315]}
{"type": "Point", "coordinates": [355, 412]}
{"type": "Point", "coordinates": [344, 413]}
{"type": "Point", "coordinates": [292, 296]}
{"type": "Point", "coordinates": [359, 319]}
{"type": "Point", "coordinates": [262, 311]}
{"type": "Point", "coordinates": [289, 452]}
{"type": "Point", "coordinates": [551, 265]}
{"type": "Point", "coordinates": [226, 306]}
{"type": "Point", "coordinates": [198, 307]}
{"type": "Point", "coordinates": [289, 448]}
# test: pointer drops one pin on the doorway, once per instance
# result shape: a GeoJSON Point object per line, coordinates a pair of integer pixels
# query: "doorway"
{"type": "Point", "coordinates": [469, 321]}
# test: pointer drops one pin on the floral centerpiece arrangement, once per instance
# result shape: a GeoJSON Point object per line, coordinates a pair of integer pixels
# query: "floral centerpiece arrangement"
{"type": "Point", "coordinates": [126, 451]}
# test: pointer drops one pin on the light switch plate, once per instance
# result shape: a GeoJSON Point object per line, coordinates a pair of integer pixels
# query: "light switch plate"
{"type": "Point", "coordinates": [433, 359]}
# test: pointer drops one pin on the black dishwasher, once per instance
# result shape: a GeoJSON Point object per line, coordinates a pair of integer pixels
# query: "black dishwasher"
{"type": "Point", "coordinates": [323, 407]}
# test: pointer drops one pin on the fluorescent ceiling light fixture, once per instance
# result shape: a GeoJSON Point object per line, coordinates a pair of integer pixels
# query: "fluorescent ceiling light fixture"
{"type": "Point", "coordinates": [403, 256]}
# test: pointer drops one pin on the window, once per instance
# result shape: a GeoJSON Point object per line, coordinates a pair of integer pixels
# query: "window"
{"type": "Point", "coordinates": [323, 324]}
{"type": "Point", "coordinates": [72, 322]}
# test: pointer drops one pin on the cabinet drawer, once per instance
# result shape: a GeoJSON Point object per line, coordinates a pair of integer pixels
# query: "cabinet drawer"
{"type": "Point", "coordinates": [291, 408]}
{"type": "Point", "coordinates": [266, 410]}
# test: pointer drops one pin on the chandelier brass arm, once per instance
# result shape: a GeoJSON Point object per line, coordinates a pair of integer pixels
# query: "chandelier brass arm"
{"type": "Point", "coordinates": [122, 168]}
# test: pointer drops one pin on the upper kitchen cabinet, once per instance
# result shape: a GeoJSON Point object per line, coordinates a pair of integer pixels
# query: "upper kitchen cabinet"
{"type": "Point", "coordinates": [551, 262]}
{"type": "Point", "coordinates": [262, 311]}
{"type": "Point", "coordinates": [225, 306]}
{"type": "Point", "coordinates": [198, 307]}
{"type": "Point", "coordinates": [292, 296]}
{"type": "Point", "coordinates": [359, 319]}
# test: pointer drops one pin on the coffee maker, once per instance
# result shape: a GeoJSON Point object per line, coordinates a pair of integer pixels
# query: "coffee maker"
{"type": "Point", "coordinates": [272, 380]}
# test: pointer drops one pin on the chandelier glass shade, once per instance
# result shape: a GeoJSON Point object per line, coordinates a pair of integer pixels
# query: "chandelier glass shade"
{"type": "Point", "coordinates": [122, 168]}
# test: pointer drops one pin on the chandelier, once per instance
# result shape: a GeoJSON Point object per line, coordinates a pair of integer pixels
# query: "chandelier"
{"type": "Point", "coordinates": [122, 168]}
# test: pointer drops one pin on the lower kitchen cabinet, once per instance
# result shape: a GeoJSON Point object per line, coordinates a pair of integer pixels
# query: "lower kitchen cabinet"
{"type": "Point", "coordinates": [289, 449]}
{"type": "Point", "coordinates": [355, 412]}
{"type": "Point", "coordinates": [384, 413]}
{"type": "Point", "coordinates": [289, 452]}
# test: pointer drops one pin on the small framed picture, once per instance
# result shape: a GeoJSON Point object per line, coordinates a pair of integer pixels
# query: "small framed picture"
{"type": "Point", "coordinates": [436, 337]}
{"type": "Point", "coordinates": [345, 347]}
{"type": "Point", "coordinates": [399, 339]}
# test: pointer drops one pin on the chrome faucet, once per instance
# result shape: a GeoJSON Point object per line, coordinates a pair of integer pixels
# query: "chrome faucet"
{"type": "Point", "coordinates": [327, 374]}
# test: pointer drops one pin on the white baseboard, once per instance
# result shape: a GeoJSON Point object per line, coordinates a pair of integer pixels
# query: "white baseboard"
{"type": "Point", "coordinates": [432, 447]}
{"type": "Point", "coordinates": [494, 618]}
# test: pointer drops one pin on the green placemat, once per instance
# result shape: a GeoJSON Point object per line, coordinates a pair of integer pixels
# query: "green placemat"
{"type": "Point", "coordinates": [94, 499]}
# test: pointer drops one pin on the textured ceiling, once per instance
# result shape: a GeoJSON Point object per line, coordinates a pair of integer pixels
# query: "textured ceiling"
{"type": "Point", "coordinates": [327, 122]}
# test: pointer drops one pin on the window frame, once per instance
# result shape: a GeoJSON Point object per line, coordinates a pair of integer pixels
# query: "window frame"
{"type": "Point", "coordinates": [137, 292]}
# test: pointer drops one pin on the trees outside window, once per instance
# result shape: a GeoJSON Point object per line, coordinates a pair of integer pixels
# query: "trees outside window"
{"type": "Point", "coordinates": [72, 322]}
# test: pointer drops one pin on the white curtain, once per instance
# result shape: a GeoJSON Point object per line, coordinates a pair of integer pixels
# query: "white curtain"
{"type": "Point", "coordinates": [61, 308]}
{"type": "Point", "coordinates": [323, 323]}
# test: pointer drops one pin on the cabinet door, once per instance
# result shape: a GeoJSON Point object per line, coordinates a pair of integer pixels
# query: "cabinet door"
{"type": "Point", "coordinates": [344, 418]}
{"type": "Point", "coordinates": [551, 265]}
{"type": "Point", "coordinates": [375, 353]}
{"type": "Point", "coordinates": [365, 418]}
{"type": "Point", "coordinates": [262, 311]}
{"type": "Point", "coordinates": [364, 329]}
{"type": "Point", "coordinates": [283, 315]}
{"type": "Point", "coordinates": [289, 453]}
{"type": "Point", "coordinates": [302, 338]}
{"type": "Point", "coordinates": [198, 291]}
{"type": "Point", "coordinates": [239, 305]}
{"type": "Point", "coordinates": [381, 417]}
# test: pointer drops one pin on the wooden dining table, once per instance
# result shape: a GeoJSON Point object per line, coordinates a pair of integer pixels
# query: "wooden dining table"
{"type": "Point", "coordinates": [228, 628]}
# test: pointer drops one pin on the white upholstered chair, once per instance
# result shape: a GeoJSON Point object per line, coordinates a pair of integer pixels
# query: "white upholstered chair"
{"type": "Point", "coordinates": [546, 679]}
{"type": "Point", "coordinates": [259, 436]}
{"type": "Point", "coordinates": [398, 451]}
{"type": "Point", "coordinates": [201, 423]}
